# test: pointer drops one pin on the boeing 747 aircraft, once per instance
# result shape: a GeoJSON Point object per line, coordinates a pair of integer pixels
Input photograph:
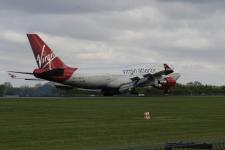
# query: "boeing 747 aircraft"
{"type": "Point", "coordinates": [110, 81]}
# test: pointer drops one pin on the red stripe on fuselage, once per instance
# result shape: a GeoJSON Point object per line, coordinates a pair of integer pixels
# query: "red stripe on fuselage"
{"type": "Point", "coordinates": [56, 75]}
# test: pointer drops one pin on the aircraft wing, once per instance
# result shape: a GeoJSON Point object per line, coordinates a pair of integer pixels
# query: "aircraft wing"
{"type": "Point", "coordinates": [150, 78]}
{"type": "Point", "coordinates": [166, 71]}
{"type": "Point", "coordinates": [156, 75]}
{"type": "Point", "coordinates": [34, 79]}
{"type": "Point", "coordinates": [140, 81]}
{"type": "Point", "coordinates": [21, 72]}
{"type": "Point", "coordinates": [15, 77]}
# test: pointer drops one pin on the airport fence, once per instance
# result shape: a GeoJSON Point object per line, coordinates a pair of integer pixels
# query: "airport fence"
{"type": "Point", "coordinates": [176, 146]}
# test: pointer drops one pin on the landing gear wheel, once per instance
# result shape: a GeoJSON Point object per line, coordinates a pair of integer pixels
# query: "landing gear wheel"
{"type": "Point", "coordinates": [107, 93]}
{"type": "Point", "coordinates": [134, 92]}
{"type": "Point", "coordinates": [166, 91]}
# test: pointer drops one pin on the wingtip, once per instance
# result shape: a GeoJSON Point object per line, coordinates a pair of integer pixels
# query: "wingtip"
{"type": "Point", "coordinates": [166, 67]}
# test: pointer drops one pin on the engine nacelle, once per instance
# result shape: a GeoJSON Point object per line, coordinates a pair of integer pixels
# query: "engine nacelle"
{"type": "Point", "coordinates": [170, 82]}
{"type": "Point", "coordinates": [167, 83]}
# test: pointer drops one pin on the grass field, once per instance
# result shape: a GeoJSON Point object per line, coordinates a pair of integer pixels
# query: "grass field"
{"type": "Point", "coordinates": [97, 123]}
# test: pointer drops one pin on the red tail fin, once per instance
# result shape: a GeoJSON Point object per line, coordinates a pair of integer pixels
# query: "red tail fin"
{"type": "Point", "coordinates": [43, 54]}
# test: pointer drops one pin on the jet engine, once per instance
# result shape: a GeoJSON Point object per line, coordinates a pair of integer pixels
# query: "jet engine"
{"type": "Point", "coordinates": [166, 84]}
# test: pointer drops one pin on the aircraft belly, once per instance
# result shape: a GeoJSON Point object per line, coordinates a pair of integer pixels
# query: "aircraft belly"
{"type": "Point", "coordinates": [97, 81]}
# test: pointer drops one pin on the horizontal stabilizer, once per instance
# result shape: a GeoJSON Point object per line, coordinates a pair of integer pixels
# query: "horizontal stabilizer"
{"type": "Point", "coordinates": [64, 87]}
{"type": "Point", "coordinates": [30, 73]}
{"type": "Point", "coordinates": [34, 79]}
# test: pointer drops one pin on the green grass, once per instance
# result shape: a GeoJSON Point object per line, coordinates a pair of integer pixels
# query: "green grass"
{"type": "Point", "coordinates": [96, 123]}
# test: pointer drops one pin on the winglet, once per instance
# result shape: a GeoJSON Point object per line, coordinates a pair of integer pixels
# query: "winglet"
{"type": "Point", "coordinates": [166, 67]}
{"type": "Point", "coordinates": [168, 70]}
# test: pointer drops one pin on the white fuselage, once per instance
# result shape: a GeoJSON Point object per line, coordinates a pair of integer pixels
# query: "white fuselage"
{"type": "Point", "coordinates": [99, 78]}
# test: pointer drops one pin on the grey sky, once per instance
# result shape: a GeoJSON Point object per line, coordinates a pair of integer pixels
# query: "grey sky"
{"type": "Point", "coordinates": [190, 34]}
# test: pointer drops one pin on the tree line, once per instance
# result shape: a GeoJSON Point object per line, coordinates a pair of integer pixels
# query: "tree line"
{"type": "Point", "coordinates": [48, 90]}
{"type": "Point", "coordinates": [190, 89]}
{"type": "Point", "coordinates": [40, 90]}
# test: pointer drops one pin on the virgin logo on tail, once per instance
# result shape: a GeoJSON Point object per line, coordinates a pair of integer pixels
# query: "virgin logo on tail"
{"type": "Point", "coordinates": [45, 60]}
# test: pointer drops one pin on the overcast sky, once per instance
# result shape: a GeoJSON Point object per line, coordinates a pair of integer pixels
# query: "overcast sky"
{"type": "Point", "coordinates": [190, 34]}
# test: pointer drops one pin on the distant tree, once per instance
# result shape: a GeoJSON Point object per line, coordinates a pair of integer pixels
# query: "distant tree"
{"type": "Point", "coordinates": [49, 90]}
{"type": "Point", "coordinates": [2, 90]}
{"type": "Point", "coordinates": [195, 83]}
{"type": "Point", "coordinates": [8, 85]}
{"type": "Point", "coordinates": [9, 90]}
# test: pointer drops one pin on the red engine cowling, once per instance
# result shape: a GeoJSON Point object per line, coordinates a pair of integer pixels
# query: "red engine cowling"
{"type": "Point", "coordinates": [167, 84]}
{"type": "Point", "coordinates": [170, 82]}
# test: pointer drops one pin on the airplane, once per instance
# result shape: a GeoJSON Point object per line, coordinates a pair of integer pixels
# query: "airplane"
{"type": "Point", "coordinates": [110, 81]}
